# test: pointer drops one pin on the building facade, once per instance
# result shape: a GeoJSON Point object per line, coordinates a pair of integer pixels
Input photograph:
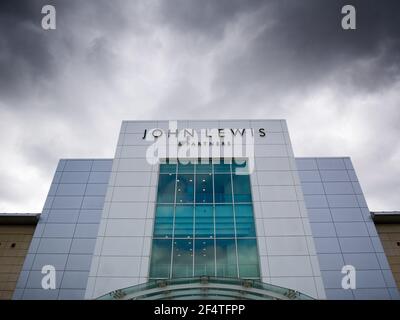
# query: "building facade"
{"type": "Point", "coordinates": [16, 231]}
{"type": "Point", "coordinates": [194, 204]}
{"type": "Point", "coordinates": [388, 226]}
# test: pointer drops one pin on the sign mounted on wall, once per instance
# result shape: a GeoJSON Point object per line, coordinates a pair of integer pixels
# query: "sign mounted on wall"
{"type": "Point", "coordinates": [210, 133]}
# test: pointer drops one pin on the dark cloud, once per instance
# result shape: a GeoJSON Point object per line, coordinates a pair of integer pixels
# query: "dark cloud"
{"type": "Point", "coordinates": [24, 58]}
{"type": "Point", "coordinates": [305, 44]}
{"type": "Point", "coordinates": [63, 93]}
{"type": "Point", "coordinates": [207, 18]}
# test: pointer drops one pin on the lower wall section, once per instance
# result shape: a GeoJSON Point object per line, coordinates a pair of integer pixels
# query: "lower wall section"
{"type": "Point", "coordinates": [66, 233]}
{"type": "Point", "coordinates": [14, 243]}
{"type": "Point", "coordinates": [390, 236]}
{"type": "Point", "coordinates": [343, 230]}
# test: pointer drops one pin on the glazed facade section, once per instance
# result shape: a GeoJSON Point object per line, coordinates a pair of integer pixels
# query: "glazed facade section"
{"type": "Point", "coordinates": [204, 223]}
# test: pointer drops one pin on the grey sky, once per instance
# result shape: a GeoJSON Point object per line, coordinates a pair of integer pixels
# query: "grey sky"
{"type": "Point", "coordinates": [64, 93]}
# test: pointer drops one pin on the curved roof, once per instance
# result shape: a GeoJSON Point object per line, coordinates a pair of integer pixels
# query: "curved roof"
{"type": "Point", "coordinates": [205, 288]}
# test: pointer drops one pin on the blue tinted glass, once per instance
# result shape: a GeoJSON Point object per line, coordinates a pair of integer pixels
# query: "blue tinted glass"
{"type": "Point", "coordinates": [182, 265]}
{"type": "Point", "coordinates": [248, 258]}
{"type": "Point", "coordinates": [184, 221]}
{"type": "Point", "coordinates": [224, 221]}
{"type": "Point", "coordinates": [244, 220]}
{"type": "Point", "coordinates": [204, 222]}
{"type": "Point", "coordinates": [196, 222]}
{"type": "Point", "coordinates": [166, 188]}
{"type": "Point", "coordinates": [204, 259]}
{"type": "Point", "coordinates": [223, 188]}
{"type": "Point", "coordinates": [161, 259]}
{"type": "Point", "coordinates": [204, 188]}
{"type": "Point", "coordinates": [222, 167]}
{"type": "Point", "coordinates": [185, 188]}
{"type": "Point", "coordinates": [186, 167]}
{"type": "Point", "coordinates": [241, 188]}
{"type": "Point", "coordinates": [226, 258]}
{"type": "Point", "coordinates": [164, 219]}
{"type": "Point", "coordinates": [167, 167]}
{"type": "Point", "coordinates": [204, 168]}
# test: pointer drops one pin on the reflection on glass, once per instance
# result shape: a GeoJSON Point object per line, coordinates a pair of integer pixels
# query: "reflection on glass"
{"type": "Point", "coordinates": [204, 168]}
{"type": "Point", "coordinates": [241, 188]}
{"type": "Point", "coordinates": [184, 221]}
{"type": "Point", "coordinates": [164, 219]}
{"type": "Point", "coordinates": [204, 188]}
{"type": "Point", "coordinates": [248, 258]}
{"type": "Point", "coordinates": [204, 221]}
{"type": "Point", "coordinates": [182, 265]}
{"type": "Point", "coordinates": [244, 220]}
{"type": "Point", "coordinates": [186, 168]}
{"type": "Point", "coordinates": [239, 166]}
{"type": "Point", "coordinates": [166, 188]}
{"type": "Point", "coordinates": [222, 167]}
{"type": "Point", "coordinates": [185, 188]}
{"type": "Point", "coordinates": [161, 259]}
{"type": "Point", "coordinates": [204, 260]}
{"type": "Point", "coordinates": [226, 258]}
{"type": "Point", "coordinates": [223, 188]}
{"type": "Point", "coordinates": [224, 221]}
{"type": "Point", "coordinates": [168, 167]}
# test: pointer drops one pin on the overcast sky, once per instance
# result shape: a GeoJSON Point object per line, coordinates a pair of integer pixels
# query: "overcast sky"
{"type": "Point", "coordinates": [64, 93]}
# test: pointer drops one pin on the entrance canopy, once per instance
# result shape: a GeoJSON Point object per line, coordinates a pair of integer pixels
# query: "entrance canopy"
{"type": "Point", "coordinates": [211, 288]}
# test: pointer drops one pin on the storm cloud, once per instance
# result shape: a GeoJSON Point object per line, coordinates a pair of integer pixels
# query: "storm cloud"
{"type": "Point", "coordinates": [64, 92]}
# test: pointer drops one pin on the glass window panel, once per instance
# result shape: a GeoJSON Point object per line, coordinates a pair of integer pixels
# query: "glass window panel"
{"type": "Point", "coordinates": [184, 221]}
{"type": "Point", "coordinates": [226, 258]}
{"type": "Point", "coordinates": [223, 188]}
{"type": "Point", "coordinates": [241, 188]}
{"type": "Point", "coordinates": [186, 167]}
{"type": "Point", "coordinates": [185, 188]}
{"type": "Point", "coordinates": [248, 258]}
{"type": "Point", "coordinates": [167, 167]}
{"type": "Point", "coordinates": [161, 259]}
{"type": "Point", "coordinates": [244, 220]}
{"type": "Point", "coordinates": [204, 168]}
{"type": "Point", "coordinates": [240, 166]}
{"type": "Point", "coordinates": [204, 188]}
{"type": "Point", "coordinates": [224, 221]}
{"type": "Point", "coordinates": [204, 222]}
{"type": "Point", "coordinates": [222, 167]}
{"type": "Point", "coordinates": [166, 188]}
{"type": "Point", "coordinates": [164, 219]}
{"type": "Point", "coordinates": [182, 259]}
{"type": "Point", "coordinates": [204, 259]}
